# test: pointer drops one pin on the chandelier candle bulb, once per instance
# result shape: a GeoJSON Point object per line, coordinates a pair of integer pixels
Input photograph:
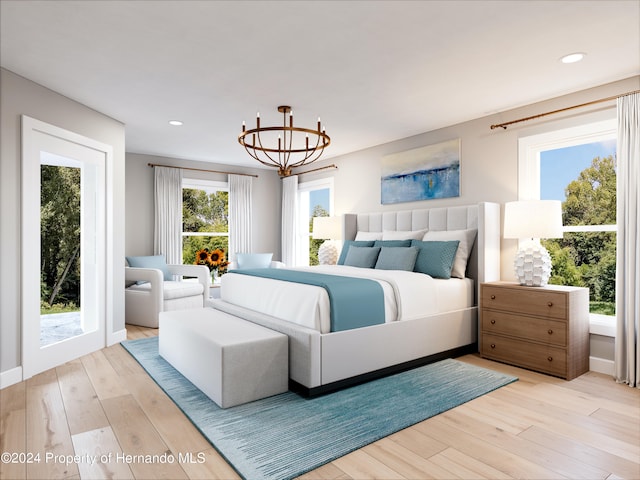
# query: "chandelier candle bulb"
{"type": "Point", "coordinates": [291, 150]}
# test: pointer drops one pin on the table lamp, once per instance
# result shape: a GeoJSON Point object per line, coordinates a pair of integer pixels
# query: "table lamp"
{"type": "Point", "coordinates": [329, 229]}
{"type": "Point", "coordinates": [529, 221]}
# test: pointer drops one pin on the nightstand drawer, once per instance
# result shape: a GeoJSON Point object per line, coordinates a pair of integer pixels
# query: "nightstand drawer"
{"type": "Point", "coordinates": [543, 358]}
{"type": "Point", "coordinates": [528, 328]}
{"type": "Point", "coordinates": [533, 301]}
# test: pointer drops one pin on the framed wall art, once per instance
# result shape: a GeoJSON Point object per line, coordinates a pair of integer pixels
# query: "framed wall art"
{"type": "Point", "coordinates": [423, 173]}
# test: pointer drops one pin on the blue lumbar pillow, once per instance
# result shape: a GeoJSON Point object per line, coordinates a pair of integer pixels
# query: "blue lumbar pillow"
{"type": "Point", "coordinates": [253, 260]}
{"type": "Point", "coordinates": [397, 258]}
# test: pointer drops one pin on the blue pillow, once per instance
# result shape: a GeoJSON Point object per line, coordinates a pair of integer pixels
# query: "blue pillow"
{"type": "Point", "coordinates": [363, 257]}
{"type": "Point", "coordinates": [435, 258]}
{"type": "Point", "coordinates": [397, 258]}
{"type": "Point", "coordinates": [253, 260]}
{"type": "Point", "coordinates": [392, 243]}
{"type": "Point", "coordinates": [151, 261]}
{"type": "Point", "coordinates": [355, 243]}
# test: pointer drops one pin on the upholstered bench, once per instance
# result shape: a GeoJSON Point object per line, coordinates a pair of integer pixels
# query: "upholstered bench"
{"type": "Point", "coordinates": [231, 360]}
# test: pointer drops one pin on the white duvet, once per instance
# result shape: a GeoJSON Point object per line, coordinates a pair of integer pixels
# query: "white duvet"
{"type": "Point", "coordinates": [407, 295]}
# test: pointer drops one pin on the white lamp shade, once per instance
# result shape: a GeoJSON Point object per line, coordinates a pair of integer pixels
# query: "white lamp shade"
{"type": "Point", "coordinates": [328, 228]}
{"type": "Point", "coordinates": [533, 219]}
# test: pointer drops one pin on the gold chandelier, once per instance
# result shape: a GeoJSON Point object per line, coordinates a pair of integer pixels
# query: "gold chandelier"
{"type": "Point", "coordinates": [296, 146]}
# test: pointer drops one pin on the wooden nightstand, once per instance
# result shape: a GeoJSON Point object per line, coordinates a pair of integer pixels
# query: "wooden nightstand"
{"type": "Point", "coordinates": [540, 328]}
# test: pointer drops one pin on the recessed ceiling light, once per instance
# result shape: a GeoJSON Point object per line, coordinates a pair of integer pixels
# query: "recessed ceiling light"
{"type": "Point", "coordinates": [573, 57]}
{"type": "Point", "coordinates": [175, 122]}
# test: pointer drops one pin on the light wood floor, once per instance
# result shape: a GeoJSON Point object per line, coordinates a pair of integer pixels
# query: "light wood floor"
{"type": "Point", "coordinates": [104, 404]}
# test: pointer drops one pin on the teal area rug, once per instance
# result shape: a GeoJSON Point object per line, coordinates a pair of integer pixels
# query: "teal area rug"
{"type": "Point", "coordinates": [286, 435]}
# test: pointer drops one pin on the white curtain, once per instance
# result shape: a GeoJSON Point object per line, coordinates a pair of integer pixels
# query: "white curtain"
{"type": "Point", "coordinates": [240, 201]}
{"type": "Point", "coordinates": [167, 234]}
{"type": "Point", "coordinates": [289, 216]}
{"type": "Point", "coordinates": [627, 353]}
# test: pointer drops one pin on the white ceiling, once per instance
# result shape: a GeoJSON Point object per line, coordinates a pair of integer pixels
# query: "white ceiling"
{"type": "Point", "coordinates": [375, 71]}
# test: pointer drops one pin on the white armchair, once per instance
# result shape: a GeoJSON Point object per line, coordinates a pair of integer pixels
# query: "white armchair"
{"type": "Point", "coordinates": [143, 302]}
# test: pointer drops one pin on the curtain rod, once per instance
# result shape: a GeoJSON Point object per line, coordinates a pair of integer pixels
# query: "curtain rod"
{"type": "Point", "coordinates": [333, 165]}
{"type": "Point", "coordinates": [202, 170]}
{"type": "Point", "coordinates": [505, 124]}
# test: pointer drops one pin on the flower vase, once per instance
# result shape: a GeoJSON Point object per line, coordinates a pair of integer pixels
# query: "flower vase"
{"type": "Point", "coordinates": [214, 277]}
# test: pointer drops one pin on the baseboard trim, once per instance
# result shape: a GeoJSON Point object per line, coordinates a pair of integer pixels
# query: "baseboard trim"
{"type": "Point", "coordinates": [602, 365]}
{"type": "Point", "coordinates": [10, 377]}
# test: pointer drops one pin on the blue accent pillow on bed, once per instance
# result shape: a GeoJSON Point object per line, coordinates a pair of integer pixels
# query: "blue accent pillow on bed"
{"type": "Point", "coordinates": [355, 243]}
{"type": "Point", "coordinates": [435, 258]}
{"type": "Point", "coordinates": [397, 258]}
{"type": "Point", "coordinates": [363, 257]}
{"type": "Point", "coordinates": [151, 261]}
{"type": "Point", "coordinates": [392, 243]}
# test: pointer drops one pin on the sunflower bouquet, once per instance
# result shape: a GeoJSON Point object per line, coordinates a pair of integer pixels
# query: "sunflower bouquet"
{"type": "Point", "coordinates": [215, 260]}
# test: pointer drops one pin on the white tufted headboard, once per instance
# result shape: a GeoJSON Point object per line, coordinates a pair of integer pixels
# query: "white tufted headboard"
{"type": "Point", "coordinates": [484, 261]}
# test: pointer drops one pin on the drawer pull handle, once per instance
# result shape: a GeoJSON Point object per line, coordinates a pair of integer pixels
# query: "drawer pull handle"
{"type": "Point", "coordinates": [550, 304]}
{"type": "Point", "coordinates": [550, 332]}
{"type": "Point", "coordinates": [493, 322]}
{"type": "Point", "coordinates": [550, 358]}
{"type": "Point", "coordinates": [493, 297]}
{"type": "Point", "coordinates": [493, 345]}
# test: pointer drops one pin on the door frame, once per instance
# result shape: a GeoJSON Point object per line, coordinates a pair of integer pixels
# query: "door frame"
{"type": "Point", "coordinates": [33, 364]}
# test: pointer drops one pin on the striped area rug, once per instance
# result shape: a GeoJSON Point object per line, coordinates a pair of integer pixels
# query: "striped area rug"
{"type": "Point", "coordinates": [286, 435]}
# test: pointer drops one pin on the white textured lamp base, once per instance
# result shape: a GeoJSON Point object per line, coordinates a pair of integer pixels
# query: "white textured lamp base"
{"type": "Point", "coordinates": [328, 253]}
{"type": "Point", "coordinates": [532, 264]}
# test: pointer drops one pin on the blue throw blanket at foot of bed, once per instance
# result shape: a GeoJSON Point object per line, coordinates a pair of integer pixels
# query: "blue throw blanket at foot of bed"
{"type": "Point", "coordinates": [355, 302]}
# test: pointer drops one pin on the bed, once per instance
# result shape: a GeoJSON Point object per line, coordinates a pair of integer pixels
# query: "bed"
{"type": "Point", "coordinates": [433, 320]}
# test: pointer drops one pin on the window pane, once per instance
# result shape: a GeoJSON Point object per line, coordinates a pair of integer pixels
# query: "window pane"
{"type": "Point", "coordinates": [586, 259]}
{"type": "Point", "coordinates": [319, 201]}
{"type": "Point", "coordinates": [205, 212]}
{"type": "Point", "coordinates": [190, 245]}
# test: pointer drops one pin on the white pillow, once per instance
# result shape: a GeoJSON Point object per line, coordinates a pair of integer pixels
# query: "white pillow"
{"type": "Point", "coordinates": [368, 236]}
{"type": "Point", "coordinates": [466, 239]}
{"type": "Point", "coordinates": [253, 260]}
{"type": "Point", "coordinates": [403, 234]}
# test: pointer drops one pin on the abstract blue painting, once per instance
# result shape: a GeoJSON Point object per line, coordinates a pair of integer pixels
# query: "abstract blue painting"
{"type": "Point", "coordinates": [423, 173]}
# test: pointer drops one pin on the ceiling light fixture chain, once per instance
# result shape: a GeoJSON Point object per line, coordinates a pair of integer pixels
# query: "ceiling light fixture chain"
{"type": "Point", "coordinates": [293, 149]}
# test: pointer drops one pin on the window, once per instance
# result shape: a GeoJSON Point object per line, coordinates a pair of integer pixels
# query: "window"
{"type": "Point", "coordinates": [578, 167]}
{"type": "Point", "coordinates": [315, 199]}
{"type": "Point", "coordinates": [205, 217]}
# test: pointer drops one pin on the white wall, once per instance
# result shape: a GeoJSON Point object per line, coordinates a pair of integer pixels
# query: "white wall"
{"type": "Point", "coordinates": [19, 96]}
{"type": "Point", "coordinates": [139, 191]}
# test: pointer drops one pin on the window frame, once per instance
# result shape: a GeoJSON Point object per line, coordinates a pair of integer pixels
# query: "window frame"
{"type": "Point", "coordinates": [529, 149]}
{"type": "Point", "coordinates": [201, 184]}
{"type": "Point", "coordinates": [302, 230]}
